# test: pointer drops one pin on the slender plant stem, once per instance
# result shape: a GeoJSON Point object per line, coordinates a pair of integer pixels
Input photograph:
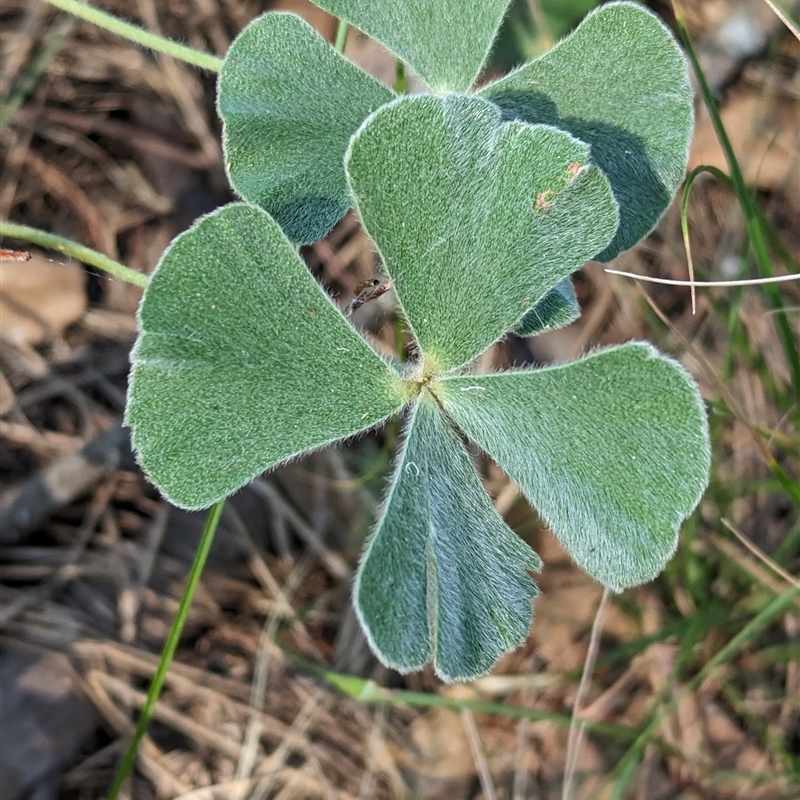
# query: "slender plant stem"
{"type": "Point", "coordinates": [755, 228]}
{"type": "Point", "coordinates": [70, 248]}
{"type": "Point", "coordinates": [341, 36]}
{"type": "Point", "coordinates": [134, 33]}
{"type": "Point", "coordinates": [577, 726]}
{"type": "Point", "coordinates": [214, 514]}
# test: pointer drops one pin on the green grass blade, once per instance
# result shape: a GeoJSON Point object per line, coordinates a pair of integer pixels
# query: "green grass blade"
{"type": "Point", "coordinates": [341, 36]}
{"type": "Point", "coordinates": [37, 65]}
{"type": "Point", "coordinates": [170, 646]}
{"type": "Point", "coordinates": [753, 219]}
{"type": "Point", "coordinates": [626, 767]}
{"type": "Point", "coordinates": [367, 691]}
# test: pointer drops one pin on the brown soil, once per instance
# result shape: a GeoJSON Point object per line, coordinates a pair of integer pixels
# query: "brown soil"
{"type": "Point", "coordinates": [119, 149]}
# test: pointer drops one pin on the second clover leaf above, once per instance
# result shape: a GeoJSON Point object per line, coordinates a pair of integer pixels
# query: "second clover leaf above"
{"type": "Point", "coordinates": [481, 207]}
{"type": "Point", "coordinates": [620, 83]}
{"type": "Point", "coordinates": [289, 102]}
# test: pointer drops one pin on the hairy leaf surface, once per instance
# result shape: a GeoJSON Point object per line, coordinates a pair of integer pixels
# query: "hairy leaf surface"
{"type": "Point", "coordinates": [612, 450]}
{"type": "Point", "coordinates": [621, 83]}
{"type": "Point", "coordinates": [557, 309]}
{"type": "Point", "coordinates": [290, 103]}
{"type": "Point", "coordinates": [444, 41]}
{"type": "Point", "coordinates": [475, 219]}
{"type": "Point", "coordinates": [443, 578]}
{"type": "Point", "coordinates": [243, 361]}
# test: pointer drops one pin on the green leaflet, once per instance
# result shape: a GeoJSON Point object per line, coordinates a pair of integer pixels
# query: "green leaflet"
{"type": "Point", "coordinates": [442, 577]}
{"type": "Point", "coordinates": [557, 309]}
{"type": "Point", "coordinates": [475, 219]}
{"type": "Point", "coordinates": [289, 103]}
{"type": "Point", "coordinates": [444, 41]}
{"type": "Point", "coordinates": [620, 83]}
{"type": "Point", "coordinates": [612, 450]}
{"type": "Point", "coordinates": [243, 361]}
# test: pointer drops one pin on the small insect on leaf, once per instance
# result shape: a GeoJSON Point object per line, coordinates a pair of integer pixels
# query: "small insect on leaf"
{"type": "Point", "coordinates": [366, 291]}
{"type": "Point", "coordinates": [362, 287]}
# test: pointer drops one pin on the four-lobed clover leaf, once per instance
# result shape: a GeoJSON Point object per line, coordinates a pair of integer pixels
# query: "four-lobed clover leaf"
{"type": "Point", "coordinates": [243, 362]}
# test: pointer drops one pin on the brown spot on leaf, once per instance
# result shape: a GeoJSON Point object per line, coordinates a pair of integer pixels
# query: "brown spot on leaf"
{"type": "Point", "coordinates": [543, 200]}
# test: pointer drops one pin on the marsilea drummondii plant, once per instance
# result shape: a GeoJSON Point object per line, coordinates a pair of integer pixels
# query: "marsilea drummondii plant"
{"type": "Point", "coordinates": [481, 204]}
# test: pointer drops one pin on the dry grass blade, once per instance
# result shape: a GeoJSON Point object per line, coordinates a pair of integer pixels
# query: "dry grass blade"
{"type": "Point", "coordinates": [35, 596]}
{"type": "Point", "coordinates": [266, 647]}
{"type": "Point", "coordinates": [760, 555]}
{"type": "Point", "coordinates": [336, 565]}
{"type": "Point", "coordinates": [151, 757]}
{"type": "Point", "coordinates": [784, 19]}
{"type": "Point", "coordinates": [694, 284]}
{"type": "Point", "coordinates": [270, 770]}
{"type": "Point", "coordinates": [185, 88]}
{"type": "Point", "coordinates": [577, 726]}
{"type": "Point", "coordinates": [482, 768]}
